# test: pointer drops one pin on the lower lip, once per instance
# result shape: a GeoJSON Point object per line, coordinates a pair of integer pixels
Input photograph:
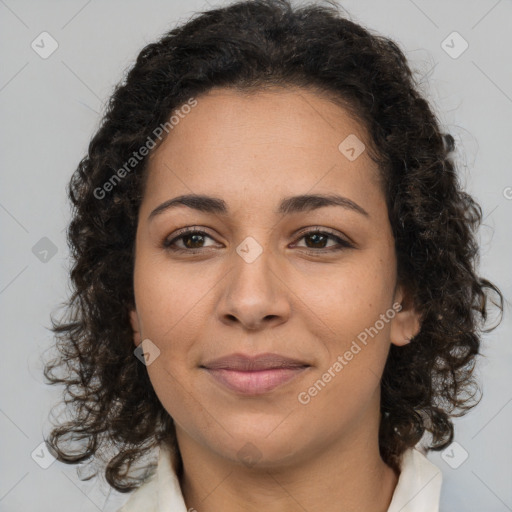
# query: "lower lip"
{"type": "Point", "coordinates": [255, 382]}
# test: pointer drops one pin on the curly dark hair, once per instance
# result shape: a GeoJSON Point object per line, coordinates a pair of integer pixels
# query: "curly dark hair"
{"type": "Point", "coordinates": [248, 46]}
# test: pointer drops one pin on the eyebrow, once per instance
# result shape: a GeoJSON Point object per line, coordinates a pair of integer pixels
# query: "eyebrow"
{"type": "Point", "coordinates": [289, 205]}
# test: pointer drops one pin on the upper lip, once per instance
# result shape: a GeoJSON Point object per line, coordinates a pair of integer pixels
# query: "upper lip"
{"type": "Point", "coordinates": [243, 362]}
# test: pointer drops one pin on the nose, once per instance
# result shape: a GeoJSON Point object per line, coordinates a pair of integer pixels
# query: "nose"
{"type": "Point", "coordinates": [254, 294]}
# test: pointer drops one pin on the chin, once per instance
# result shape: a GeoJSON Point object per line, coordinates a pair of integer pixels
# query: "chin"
{"type": "Point", "coordinates": [261, 453]}
{"type": "Point", "coordinates": [259, 441]}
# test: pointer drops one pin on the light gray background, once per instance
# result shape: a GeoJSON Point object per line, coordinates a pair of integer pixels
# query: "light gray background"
{"type": "Point", "coordinates": [51, 108]}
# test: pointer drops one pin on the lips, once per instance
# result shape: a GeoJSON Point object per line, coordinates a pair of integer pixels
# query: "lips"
{"type": "Point", "coordinates": [253, 375]}
{"type": "Point", "coordinates": [244, 363]}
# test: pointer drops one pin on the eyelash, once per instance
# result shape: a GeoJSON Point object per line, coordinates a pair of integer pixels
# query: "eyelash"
{"type": "Point", "coordinates": [342, 244]}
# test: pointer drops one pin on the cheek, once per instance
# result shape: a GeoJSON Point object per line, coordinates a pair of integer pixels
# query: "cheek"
{"type": "Point", "coordinates": [341, 398]}
{"type": "Point", "coordinates": [348, 380]}
{"type": "Point", "coordinates": [166, 296]}
{"type": "Point", "coordinates": [348, 311]}
{"type": "Point", "coordinates": [166, 313]}
{"type": "Point", "coordinates": [177, 396]}
{"type": "Point", "coordinates": [351, 298]}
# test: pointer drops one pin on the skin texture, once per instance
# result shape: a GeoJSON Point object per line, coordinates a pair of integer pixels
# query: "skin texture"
{"type": "Point", "coordinates": [252, 151]}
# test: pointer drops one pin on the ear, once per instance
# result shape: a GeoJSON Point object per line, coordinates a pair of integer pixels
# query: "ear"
{"type": "Point", "coordinates": [407, 322]}
{"type": "Point", "coordinates": [134, 321]}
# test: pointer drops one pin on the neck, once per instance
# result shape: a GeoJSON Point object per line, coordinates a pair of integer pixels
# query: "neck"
{"type": "Point", "coordinates": [345, 475]}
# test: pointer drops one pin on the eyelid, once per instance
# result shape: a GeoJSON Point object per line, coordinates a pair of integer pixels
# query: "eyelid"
{"type": "Point", "coordinates": [323, 230]}
{"type": "Point", "coordinates": [169, 240]}
{"type": "Point", "coordinates": [341, 239]}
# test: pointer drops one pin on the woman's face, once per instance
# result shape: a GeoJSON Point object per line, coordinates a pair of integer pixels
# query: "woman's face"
{"type": "Point", "coordinates": [256, 280]}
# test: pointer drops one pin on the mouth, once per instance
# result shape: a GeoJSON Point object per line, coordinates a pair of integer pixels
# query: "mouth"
{"type": "Point", "coordinates": [248, 375]}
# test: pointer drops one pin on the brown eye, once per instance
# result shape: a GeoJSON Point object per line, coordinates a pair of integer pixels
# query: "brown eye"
{"type": "Point", "coordinates": [317, 240]}
{"type": "Point", "coordinates": [191, 241]}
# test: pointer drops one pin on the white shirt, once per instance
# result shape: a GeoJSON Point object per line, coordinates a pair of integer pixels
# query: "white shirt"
{"type": "Point", "coordinates": [418, 488]}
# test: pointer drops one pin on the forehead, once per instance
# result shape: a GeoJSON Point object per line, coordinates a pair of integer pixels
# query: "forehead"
{"type": "Point", "coordinates": [262, 142]}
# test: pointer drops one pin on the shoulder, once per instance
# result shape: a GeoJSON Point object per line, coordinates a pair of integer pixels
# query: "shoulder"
{"type": "Point", "coordinates": [144, 498]}
{"type": "Point", "coordinates": [419, 484]}
{"type": "Point", "coordinates": [160, 492]}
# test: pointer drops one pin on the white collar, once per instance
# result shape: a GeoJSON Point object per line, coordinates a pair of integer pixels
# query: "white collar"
{"type": "Point", "coordinates": [419, 484]}
{"type": "Point", "coordinates": [418, 488]}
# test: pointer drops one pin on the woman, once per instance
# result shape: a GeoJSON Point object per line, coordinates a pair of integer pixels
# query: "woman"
{"type": "Point", "coordinates": [274, 274]}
